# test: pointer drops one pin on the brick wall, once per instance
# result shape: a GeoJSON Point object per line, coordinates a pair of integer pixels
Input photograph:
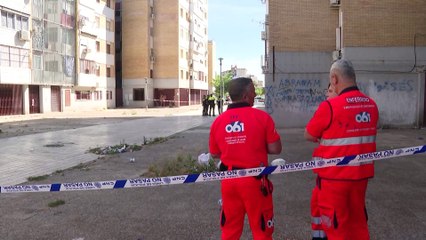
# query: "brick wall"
{"type": "Point", "coordinates": [135, 39]}
{"type": "Point", "coordinates": [302, 25]}
{"type": "Point", "coordinates": [386, 23]}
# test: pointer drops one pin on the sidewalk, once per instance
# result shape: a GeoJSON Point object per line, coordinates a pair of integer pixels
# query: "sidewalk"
{"type": "Point", "coordinates": [118, 112]}
{"type": "Point", "coordinates": [30, 155]}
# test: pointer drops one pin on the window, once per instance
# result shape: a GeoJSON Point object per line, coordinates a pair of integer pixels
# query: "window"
{"type": "Point", "coordinates": [10, 20]}
{"type": "Point", "coordinates": [97, 22]}
{"type": "Point", "coordinates": [51, 66]}
{"type": "Point", "coordinates": [108, 71]}
{"type": "Point", "coordinates": [3, 19]}
{"type": "Point", "coordinates": [98, 95]}
{"type": "Point", "coordinates": [108, 48]}
{"type": "Point", "coordinates": [14, 57]}
{"type": "Point", "coordinates": [82, 95]}
{"type": "Point", "coordinates": [109, 26]}
{"type": "Point", "coordinates": [138, 94]}
{"type": "Point", "coordinates": [4, 56]}
{"type": "Point", "coordinates": [87, 66]}
{"type": "Point", "coordinates": [109, 95]}
{"type": "Point", "coordinates": [37, 61]}
{"type": "Point", "coordinates": [98, 46]}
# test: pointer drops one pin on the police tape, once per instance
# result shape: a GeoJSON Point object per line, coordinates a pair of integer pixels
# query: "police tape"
{"type": "Point", "coordinates": [215, 176]}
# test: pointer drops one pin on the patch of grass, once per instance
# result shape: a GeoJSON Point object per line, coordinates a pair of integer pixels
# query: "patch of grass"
{"type": "Point", "coordinates": [37, 178]}
{"type": "Point", "coordinates": [56, 203]}
{"type": "Point", "coordinates": [119, 148]}
{"type": "Point", "coordinates": [81, 166]}
{"type": "Point", "coordinates": [180, 166]}
{"type": "Point", "coordinates": [155, 140]}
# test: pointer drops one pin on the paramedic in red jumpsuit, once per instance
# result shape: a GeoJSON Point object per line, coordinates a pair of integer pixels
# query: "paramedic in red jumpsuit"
{"type": "Point", "coordinates": [343, 126]}
{"type": "Point", "coordinates": [317, 230]}
{"type": "Point", "coordinates": [242, 137]}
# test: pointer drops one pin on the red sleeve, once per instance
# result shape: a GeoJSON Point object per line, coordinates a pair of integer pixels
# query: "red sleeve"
{"type": "Point", "coordinates": [320, 121]}
{"type": "Point", "coordinates": [213, 147]}
{"type": "Point", "coordinates": [271, 132]}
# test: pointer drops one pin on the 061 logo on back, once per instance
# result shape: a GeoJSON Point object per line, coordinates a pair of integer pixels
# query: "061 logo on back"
{"type": "Point", "coordinates": [363, 117]}
{"type": "Point", "coordinates": [235, 127]}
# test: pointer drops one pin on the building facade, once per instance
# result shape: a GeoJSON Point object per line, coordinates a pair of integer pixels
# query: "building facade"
{"type": "Point", "coordinates": [95, 84]}
{"type": "Point", "coordinates": [385, 40]}
{"type": "Point", "coordinates": [164, 53]}
{"type": "Point", "coordinates": [46, 58]}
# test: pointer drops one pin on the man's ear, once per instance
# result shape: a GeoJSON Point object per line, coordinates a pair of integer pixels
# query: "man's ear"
{"type": "Point", "coordinates": [334, 79]}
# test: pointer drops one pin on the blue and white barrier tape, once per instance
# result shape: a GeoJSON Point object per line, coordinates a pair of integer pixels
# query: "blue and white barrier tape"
{"type": "Point", "coordinates": [215, 176]}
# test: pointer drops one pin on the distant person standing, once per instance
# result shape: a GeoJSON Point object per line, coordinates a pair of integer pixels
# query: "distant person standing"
{"type": "Point", "coordinates": [211, 101]}
{"type": "Point", "coordinates": [219, 103]}
{"type": "Point", "coordinates": [344, 126]}
{"type": "Point", "coordinates": [205, 105]}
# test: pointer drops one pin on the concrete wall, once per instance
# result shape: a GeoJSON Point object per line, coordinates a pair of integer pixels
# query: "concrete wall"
{"type": "Point", "coordinates": [300, 79]}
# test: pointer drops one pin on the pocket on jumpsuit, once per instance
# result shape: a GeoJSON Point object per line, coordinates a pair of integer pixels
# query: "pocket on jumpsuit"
{"type": "Point", "coordinates": [328, 218]}
{"type": "Point", "coordinates": [267, 223]}
{"type": "Point", "coordinates": [222, 218]}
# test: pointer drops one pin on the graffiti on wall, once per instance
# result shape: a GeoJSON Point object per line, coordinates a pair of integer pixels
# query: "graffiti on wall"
{"type": "Point", "coordinates": [304, 95]}
{"type": "Point", "coordinates": [388, 86]}
{"type": "Point", "coordinates": [294, 95]}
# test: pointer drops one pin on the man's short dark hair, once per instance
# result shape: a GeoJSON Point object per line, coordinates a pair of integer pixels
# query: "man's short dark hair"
{"type": "Point", "coordinates": [238, 87]}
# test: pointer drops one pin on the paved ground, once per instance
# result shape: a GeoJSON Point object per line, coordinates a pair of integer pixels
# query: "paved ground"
{"type": "Point", "coordinates": [395, 198]}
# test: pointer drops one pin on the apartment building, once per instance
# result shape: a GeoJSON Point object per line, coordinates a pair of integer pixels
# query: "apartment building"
{"type": "Point", "coordinates": [56, 55]}
{"type": "Point", "coordinates": [385, 40]}
{"type": "Point", "coordinates": [15, 51]}
{"type": "Point", "coordinates": [164, 52]}
{"type": "Point", "coordinates": [211, 67]}
{"type": "Point", "coordinates": [95, 84]}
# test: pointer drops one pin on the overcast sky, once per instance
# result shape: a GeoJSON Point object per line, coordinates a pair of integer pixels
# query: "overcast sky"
{"type": "Point", "coordinates": [235, 26]}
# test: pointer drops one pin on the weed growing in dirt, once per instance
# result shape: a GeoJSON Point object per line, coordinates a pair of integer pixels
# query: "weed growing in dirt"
{"type": "Point", "coordinates": [81, 166]}
{"type": "Point", "coordinates": [150, 141]}
{"type": "Point", "coordinates": [119, 148]}
{"type": "Point", "coordinates": [56, 203]}
{"type": "Point", "coordinates": [37, 178]}
{"type": "Point", "coordinates": [182, 165]}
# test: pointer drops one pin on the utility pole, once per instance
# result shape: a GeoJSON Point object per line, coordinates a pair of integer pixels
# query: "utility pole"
{"type": "Point", "coordinates": [221, 81]}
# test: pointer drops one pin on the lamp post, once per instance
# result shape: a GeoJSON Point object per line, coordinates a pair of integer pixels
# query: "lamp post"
{"type": "Point", "coordinates": [221, 82]}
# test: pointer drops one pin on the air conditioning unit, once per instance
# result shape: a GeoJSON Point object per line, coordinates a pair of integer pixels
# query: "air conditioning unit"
{"type": "Point", "coordinates": [334, 3]}
{"type": "Point", "coordinates": [264, 69]}
{"type": "Point", "coordinates": [266, 19]}
{"type": "Point", "coordinates": [152, 58]}
{"type": "Point", "coordinates": [263, 34]}
{"type": "Point", "coordinates": [24, 35]}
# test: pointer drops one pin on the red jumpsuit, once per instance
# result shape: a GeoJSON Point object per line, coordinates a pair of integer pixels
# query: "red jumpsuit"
{"type": "Point", "coordinates": [240, 135]}
{"type": "Point", "coordinates": [346, 126]}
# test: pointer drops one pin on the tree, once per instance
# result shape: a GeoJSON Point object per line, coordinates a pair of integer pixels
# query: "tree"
{"type": "Point", "coordinates": [259, 91]}
{"type": "Point", "coordinates": [226, 77]}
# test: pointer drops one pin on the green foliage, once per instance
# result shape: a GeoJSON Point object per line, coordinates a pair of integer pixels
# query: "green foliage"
{"type": "Point", "coordinates": [37, 178]}
{"type": "Point", "coordinates": [260, 91]}
{"type": "Point", "coordinates": [218, 84]}
{"type": "Point", "coordinates": [56, 203]}
{"type": "Point", "coordinates": [181, 166]}
{"type": "Point", "coordinates": [155, 140]}
{"type": "Point", "coordinates": [119, 148]}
